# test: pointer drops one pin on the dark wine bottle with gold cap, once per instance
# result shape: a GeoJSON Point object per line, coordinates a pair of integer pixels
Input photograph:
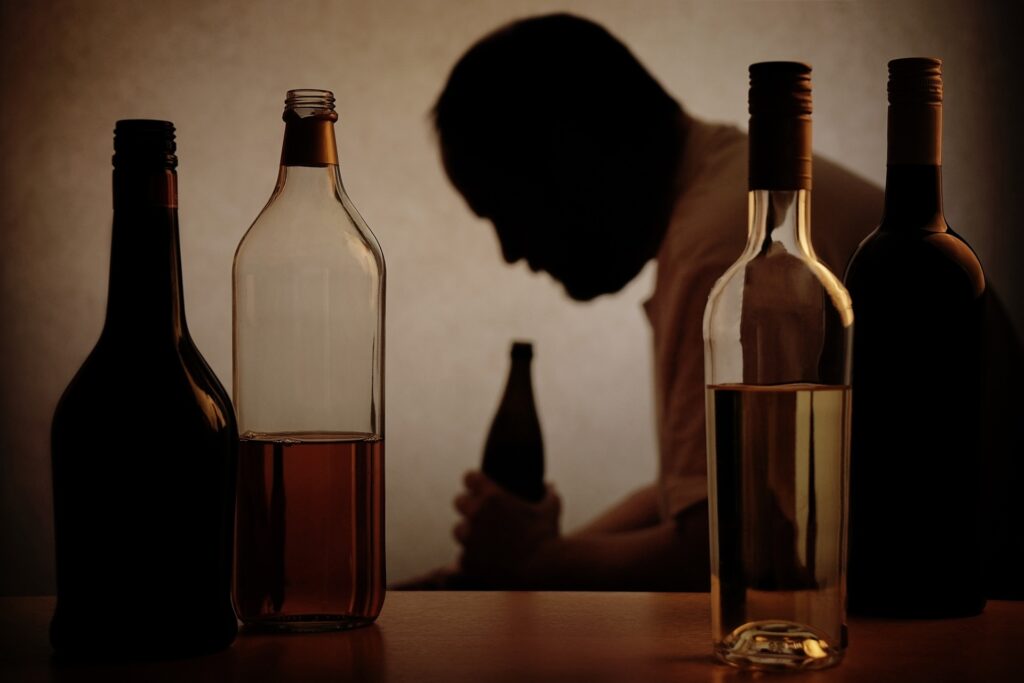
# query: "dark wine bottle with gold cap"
{"type": "Point", "coordinates": [309, 393]}
{"type": "Point", "coordinates": [144, 446]}
{"type": "Point", "coordinates": [915, 470]}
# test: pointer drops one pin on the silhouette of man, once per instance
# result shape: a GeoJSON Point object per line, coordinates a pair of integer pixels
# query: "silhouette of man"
{"type": "Point", "coordinates": [552, 130]}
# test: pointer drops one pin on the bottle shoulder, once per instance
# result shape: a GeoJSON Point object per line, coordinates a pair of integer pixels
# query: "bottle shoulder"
{"type": "Point", "coordinates": [776, 280]}
{"type": "Point", "coordinates": [921, 258]}
{"type": "Point", "coordinates": [120, 387]}
{"type": "Point", "coordinates": [320, 228]}
{"type": "Point", "coordinates": [206, 387]}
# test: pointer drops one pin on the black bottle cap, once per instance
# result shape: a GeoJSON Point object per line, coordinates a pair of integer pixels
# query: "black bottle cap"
{"type": "Point", "coordinates": [915, 111]}
{"type": "Point", "coordinates": [915, 80]}
{"type": "Point", "coordinates": [780, 126]}
{"type": "Point", "coordinates": [144, 142]}
{"type": "Point", "coordinates": [780, 89]}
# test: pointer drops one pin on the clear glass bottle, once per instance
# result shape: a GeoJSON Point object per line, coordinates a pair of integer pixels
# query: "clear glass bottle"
{"type": "Point", "coordinates": [777, 343]}
{"type": "Point", "coordinates": [919, 291]}
{"type": "Point", "coordinates": [144, 446]}
{"type": "Point", "coordinates": [309, 393]}
{"type": "Point", "coordinates": [514, 452]}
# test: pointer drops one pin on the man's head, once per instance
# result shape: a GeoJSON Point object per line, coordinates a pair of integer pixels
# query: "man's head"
{"type": "Point", "coordinates": [551, 129]}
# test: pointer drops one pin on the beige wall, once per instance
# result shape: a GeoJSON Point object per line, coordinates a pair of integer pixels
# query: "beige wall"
{"type": "Point", "coordinates": [220, 70]}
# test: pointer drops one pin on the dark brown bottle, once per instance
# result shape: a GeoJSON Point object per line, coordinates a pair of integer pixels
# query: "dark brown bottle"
{"type": "Point", "coordinates": [915, 468]}
{"type": "Point", "coordinates": [144, 446]}
{"type": "Point", "coordinates": [514, 452]}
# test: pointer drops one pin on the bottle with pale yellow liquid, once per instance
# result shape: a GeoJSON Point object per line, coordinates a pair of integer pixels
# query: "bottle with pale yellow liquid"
{"type": "Point", "coordinates": [777, 346]}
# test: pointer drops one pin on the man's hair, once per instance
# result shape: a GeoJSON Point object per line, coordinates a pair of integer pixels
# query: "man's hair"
{"type": "Point", "coordinates": [551, 93]}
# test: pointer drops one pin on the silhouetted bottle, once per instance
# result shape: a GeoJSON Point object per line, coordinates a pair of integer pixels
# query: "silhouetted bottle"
{"type": "Point", "coordinates": [514, 452]}
{"type": "Point", "coordinates": [778, 331]}
{"type": "Point", "coordinates": [144, 446]}
{"type": "Point", "coordinates": [309, 391]}
{"type": "Point", "coordinates": [917, 290]}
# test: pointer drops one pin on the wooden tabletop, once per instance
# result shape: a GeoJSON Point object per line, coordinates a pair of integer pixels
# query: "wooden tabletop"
{"type": "Point", "coordinates": [487, 637]}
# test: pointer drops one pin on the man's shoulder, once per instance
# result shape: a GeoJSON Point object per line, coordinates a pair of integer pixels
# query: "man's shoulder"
{"type": "Point", "coordinates": [709, 220]}
{"type": "Point", "coordinates": [713, 146]}
{"type": "Point", "coordinates": [717, 131]}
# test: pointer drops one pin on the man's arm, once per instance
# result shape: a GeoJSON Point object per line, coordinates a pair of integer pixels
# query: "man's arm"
{"type": "Point", "coordinates": [510, 543]}
{"type": "Point", "coordinates": [670, 556]}
{"type": "Point", "coordinates": [637, 511]}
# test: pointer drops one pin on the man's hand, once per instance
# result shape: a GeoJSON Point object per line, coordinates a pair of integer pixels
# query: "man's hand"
{"type": "Point", "coordinates": [503, 536]}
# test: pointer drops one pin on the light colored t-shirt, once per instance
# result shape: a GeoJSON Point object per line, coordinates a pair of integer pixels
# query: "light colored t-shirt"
{"type": "Point", "coordinates": [707, 233]}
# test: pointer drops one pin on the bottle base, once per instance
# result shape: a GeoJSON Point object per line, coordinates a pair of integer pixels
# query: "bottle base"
{"type": "Point", "coordinates": [777, 646]}
{"type": "Point", "coordinates": [306, 623]}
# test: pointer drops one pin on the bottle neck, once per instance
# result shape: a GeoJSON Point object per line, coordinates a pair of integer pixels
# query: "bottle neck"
{"type": "Point", "coordinates": [915, 134]}
{"type": "Point", "coordinates": [779, 177]}
{"type": "Point", "coordinates": [309, 160]}
{"type": "Point", "coordinates": [520, 383]}
{"type": "Point", "coordinates": [308, 141]}
{"type": "Point", "coordinates": [145, 297]}
{"type": "Point", "coordinates": [779, 156]}
{"type": "Point", "coordinates": [913, 198]}
{"type": "Point", "coordinates": [780, 220]}
{"type": "Point", "coordinates": [913, 183]}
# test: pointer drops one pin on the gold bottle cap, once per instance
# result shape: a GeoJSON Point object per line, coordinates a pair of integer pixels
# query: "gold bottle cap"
{"type": "Point", "coordinates": [309, 118]}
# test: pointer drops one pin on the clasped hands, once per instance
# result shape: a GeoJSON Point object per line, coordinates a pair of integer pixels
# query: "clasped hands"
{"type": "Point", "coordinates": [505, 540]}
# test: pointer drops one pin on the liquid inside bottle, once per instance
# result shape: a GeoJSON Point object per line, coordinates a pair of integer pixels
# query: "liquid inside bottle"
{"type": "Point", "coordinates": [776, 579]}
{"type": "Point", "coordinates": [310, 548]}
